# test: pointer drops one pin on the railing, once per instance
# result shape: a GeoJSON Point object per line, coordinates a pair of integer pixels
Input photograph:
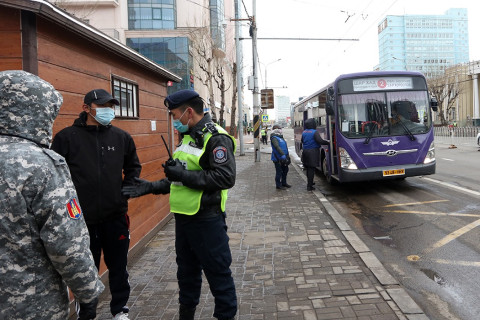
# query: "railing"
{"type": "Point", "coordinates": [456, 131]}
{"type": "Point", "coordinates": [457, 135]}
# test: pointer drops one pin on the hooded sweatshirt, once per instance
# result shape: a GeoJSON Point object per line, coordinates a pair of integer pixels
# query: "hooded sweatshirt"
{"type": "Point", "coordinates": [44, 242]}
{"type": "Point", "coordinates": [102, 159]}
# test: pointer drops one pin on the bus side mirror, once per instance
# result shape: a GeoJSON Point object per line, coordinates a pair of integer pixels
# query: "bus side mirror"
{"type": "Point", "coordinates": [434, 104]}
{"type": "Point", "coordinates": [329, 108]}
{"type": "Point", "coordinates": [330, 91]}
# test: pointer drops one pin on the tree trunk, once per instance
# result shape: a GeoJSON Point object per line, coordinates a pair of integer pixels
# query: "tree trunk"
{"type": "Point", "coordinates": [222, 102]}
{"type": "Point", "coordinates": [233, 120]}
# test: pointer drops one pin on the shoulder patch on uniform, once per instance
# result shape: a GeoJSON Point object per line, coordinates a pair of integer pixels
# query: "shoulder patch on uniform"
{"type": "Point", "coordinates": [220, 154]}
{"type": "Point", "coordinates": [73, 208]}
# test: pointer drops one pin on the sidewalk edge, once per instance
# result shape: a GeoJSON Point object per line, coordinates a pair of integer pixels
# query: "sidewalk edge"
{"type": "Point", "coordinates": [398, 294]}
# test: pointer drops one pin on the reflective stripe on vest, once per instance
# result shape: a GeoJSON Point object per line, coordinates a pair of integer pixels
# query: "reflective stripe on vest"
{"type": "Point", "coordinates": [183, 199]}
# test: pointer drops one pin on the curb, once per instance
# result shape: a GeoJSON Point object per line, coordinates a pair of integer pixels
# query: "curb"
{"type": "Point", "coordinates": [408, 308]}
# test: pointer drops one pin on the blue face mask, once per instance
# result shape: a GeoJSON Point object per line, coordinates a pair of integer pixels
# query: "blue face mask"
{"type": "Point", "coordinates": [177, 124]}
{"type": "Point", "coordinates": [105, 115]}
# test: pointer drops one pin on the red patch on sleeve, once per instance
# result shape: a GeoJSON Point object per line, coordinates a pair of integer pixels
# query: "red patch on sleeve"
{"type": "Point", "coordinates": [73, 208]}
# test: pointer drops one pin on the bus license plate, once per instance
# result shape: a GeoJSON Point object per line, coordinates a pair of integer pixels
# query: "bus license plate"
{"type": "Point", "coordinates": [396, 172]}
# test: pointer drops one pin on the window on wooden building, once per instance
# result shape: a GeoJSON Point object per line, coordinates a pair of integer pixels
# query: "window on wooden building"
{"type": "Point", "coordinates": [127, 93]}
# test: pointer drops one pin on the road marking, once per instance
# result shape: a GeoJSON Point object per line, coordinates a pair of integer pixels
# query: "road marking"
{"type": "Point", "coordinates": [447, 159]}
{"type": "Point", "coordinates": [413, 203]}
{"type": "Point", "coordinates": [458, 263]}
{"type": "Point", "coordinates": [454, 235]}
{"type": "Point", "coordinates": [452, 186]}
{"type": "Point", "coordinates": [436, 213]}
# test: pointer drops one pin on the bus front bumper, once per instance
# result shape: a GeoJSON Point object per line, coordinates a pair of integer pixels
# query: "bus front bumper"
{"type": "Point", "coordinates": [392, 172]}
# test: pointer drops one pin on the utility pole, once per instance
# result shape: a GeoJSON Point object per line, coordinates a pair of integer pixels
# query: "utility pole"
{"type": "Point", "coordinates": [239, 59]}
{"type": "Point", "coordinates": [256, 94]}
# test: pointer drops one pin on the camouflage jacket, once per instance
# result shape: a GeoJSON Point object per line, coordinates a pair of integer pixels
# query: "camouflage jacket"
{"type": "Point", "coordinates": [44, 242]}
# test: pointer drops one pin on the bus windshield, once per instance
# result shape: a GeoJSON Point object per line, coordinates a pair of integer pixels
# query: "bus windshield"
{"type": "Point", "coordinates": [375, 114]}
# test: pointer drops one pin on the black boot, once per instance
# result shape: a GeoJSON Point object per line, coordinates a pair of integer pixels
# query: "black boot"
{"type": "Point", "coordinates": [186, 313]}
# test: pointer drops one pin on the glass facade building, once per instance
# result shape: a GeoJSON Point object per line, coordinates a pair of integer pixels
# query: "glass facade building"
{"type": "Point", "coordinates": [151, 14]}
{"type": "Point", "coordinates": [424, 43]}
{"type": "Point", "coordinates": [217, 17]}
{"type": "Point", "coordinates": [169, 52]}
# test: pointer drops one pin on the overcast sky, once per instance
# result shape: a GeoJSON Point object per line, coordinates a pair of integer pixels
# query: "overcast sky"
{"type": "Point", "coordinates": [306, 66]}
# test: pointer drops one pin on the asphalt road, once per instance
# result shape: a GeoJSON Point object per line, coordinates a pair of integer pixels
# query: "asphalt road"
{"type": "Point", "coordinates": [424, 229]}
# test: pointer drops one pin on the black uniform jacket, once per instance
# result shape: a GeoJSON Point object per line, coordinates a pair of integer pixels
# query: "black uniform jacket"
{"type": "Point", "coordinates": [97, 157]}
{"type": "Point", "coordinates": [217, 174]}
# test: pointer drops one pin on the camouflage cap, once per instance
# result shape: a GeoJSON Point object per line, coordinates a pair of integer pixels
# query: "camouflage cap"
{"type": "Point", "coordinates": [28, 106]}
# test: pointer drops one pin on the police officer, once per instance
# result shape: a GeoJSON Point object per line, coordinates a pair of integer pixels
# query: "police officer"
{"type": "Point", "coordinates": [197, 180]}
{"type": "Point", "coordinates": [43, 237]}
{"type": "Point", "coordinates": [263, 133]}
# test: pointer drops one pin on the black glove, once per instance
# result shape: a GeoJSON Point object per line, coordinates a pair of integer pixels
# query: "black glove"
{"type": "Point", "coordinates": [143, 187]}
{"type": "Point", "coordinates": [161, 186]}
{"type": "Point", "coordinates": [174, 173]}
{"type": "Point", "coordinates": [88, 310]}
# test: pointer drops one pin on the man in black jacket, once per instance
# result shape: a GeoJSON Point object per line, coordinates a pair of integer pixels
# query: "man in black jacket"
{"type": "Point", "coordinates": [98, 154]}
{"type": "Point", "coordinates": [197, 180]}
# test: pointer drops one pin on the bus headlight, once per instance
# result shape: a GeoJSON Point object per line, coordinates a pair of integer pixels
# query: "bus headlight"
{"type": "Point", "coordinates": [346, 161]}
{"type": "Point", "coordinates": [430, 157]}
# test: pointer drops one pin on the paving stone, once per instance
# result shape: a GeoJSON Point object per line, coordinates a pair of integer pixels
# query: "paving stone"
{"type": "Point", "coordinates": [290, 260]}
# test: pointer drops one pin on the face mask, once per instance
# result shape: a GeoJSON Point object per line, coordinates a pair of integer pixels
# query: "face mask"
{"type": "Point", "coordinates": [105, 115]}
{"type": "Point", "coordinates": [177, 124]}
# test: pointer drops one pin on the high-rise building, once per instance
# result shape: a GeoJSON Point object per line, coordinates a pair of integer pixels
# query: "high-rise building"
{"type": "Point", "coordinates": [282, 109]}
{"type": "Point", "coordinates": [424, 43]}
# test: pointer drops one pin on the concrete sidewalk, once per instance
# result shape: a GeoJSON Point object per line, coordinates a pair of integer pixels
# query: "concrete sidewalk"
{"type": "Point", "coordinates": [294, 257]}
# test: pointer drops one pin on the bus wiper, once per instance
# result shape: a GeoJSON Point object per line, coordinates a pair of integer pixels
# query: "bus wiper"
{"type": "Point", "coordinates": [409, 133]}
{"type": "Point", "coordinates": [369, 137]}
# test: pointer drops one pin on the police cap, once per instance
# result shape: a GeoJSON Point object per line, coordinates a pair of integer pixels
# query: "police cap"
{"type": "Point", "coordinates": [179, 98]}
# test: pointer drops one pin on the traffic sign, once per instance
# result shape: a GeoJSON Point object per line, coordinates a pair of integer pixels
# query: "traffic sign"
{"type": "Point", "coordinates": [266, 98]}
{"type": "Point", "coordinates": [264, 117]}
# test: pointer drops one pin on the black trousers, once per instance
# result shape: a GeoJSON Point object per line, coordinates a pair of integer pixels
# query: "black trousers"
{"type": "Point", "coordinates": [113, 237]}
{"type": "Point", "coordinates": [202, 244]}
{"type": "Point", "coordinates": [281, 172]}
{"type": "Point", "coordinates": [310, 176]}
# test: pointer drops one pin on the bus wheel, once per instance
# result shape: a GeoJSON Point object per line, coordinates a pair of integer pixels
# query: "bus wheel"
{"type": "Point", "coordinates": [328, 177]}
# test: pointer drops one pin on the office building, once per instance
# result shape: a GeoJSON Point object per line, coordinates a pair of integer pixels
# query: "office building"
{"type": "Point", "coordinates": [424, 43]}
{"type": "Point", "coordinates": [282, 109]}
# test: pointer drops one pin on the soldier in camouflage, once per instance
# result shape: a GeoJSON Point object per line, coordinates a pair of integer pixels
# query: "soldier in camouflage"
{"type": "Point", "coordinates": [44, 242]}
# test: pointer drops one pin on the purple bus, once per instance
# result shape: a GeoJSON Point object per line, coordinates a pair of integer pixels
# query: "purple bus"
{"type": "Point", "coordinates": [379, 125]}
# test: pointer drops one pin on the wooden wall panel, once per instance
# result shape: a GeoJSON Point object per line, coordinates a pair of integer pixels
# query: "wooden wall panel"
{"type": "Point", "coordinates": [10, 64]}
{"type": "Point", "coordinates": [9, 19]}
{"type": "Point", "coordinates": [10, 40]}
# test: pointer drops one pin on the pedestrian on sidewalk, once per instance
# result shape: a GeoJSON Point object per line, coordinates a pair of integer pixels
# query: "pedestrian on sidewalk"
{"type": "Point", "coordinates": [280, 157]}
{"type": "Point", "coordinates": [263, 133]}
{"type": "Point", "coordinates": [103, 158]}
{"type": "Point", "coordinates": [198, 180]}
{"type": "Point", "coordinates": [311, 142]}
{"type": "Point", "coordinates": [44, 240]}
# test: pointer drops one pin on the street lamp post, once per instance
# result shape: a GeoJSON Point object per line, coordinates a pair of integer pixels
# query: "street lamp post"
{"type": "Point", "coordinates": [265, 67]}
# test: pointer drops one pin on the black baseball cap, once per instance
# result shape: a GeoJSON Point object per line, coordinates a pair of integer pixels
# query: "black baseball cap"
{"type": "Point", "coordinates": [179, 98]}
{"type": "Point", "coordinates": [99, 96]}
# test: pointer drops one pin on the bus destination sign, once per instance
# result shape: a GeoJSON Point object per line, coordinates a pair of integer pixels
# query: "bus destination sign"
{"type": "Point", "coordinates": [387, 83]}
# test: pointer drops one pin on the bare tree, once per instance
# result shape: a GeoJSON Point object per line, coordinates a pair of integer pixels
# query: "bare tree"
{"type": "Point", "coordinates": [81, 11]}
{"type": "Point", "coordinates": [446, 89]}
{"type": "Point", "coordinates": [233, 118]}
{"type": "Point", "coordinates": [220, 80]}
{"type": "Point", "coordinates": [203, 48]}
